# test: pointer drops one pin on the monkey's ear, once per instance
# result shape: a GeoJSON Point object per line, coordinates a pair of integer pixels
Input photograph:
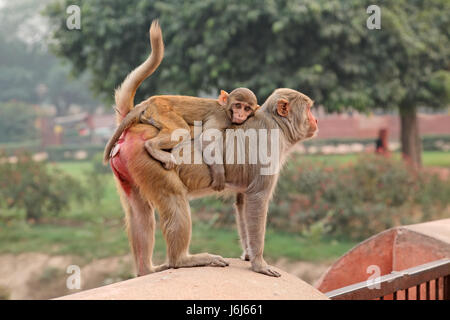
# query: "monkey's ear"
{"type": "Point", "coordinates": [283, 107]}
{"type": "Point", "coordinates": [223, 98]}
{"type": "Point", "coordinates": [257, 107]}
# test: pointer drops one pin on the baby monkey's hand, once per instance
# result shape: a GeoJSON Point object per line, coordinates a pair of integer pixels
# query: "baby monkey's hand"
{"type": "Point", "coordinates": [218, 177]}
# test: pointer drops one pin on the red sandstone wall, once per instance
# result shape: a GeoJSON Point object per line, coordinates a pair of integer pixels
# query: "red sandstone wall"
{"type": "Point", "coordinates": [359, 126]}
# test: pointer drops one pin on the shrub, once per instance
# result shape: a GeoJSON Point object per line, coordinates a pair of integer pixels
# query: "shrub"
{"type": "Point", "coordinates": [69, 152]}
{"type": "Point", "coordinates": [352, 200]}
{"type": "Point", "coordinates": [98, 166]}
{"type": "Point", "coordinates": [356, 200]}
{"type": "Point", "coordinates": [429, 142]}
{"type": "Point", "coordinates": [95, 176]}
{"type": "Point", "coordinates": [17, 121]}
{"type": "Point", "coordinates": [33, 188]}
{"type": "Point", "coordinates": [436, 143]}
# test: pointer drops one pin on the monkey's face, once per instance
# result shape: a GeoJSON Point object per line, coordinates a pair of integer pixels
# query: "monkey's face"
{"type": "Point", "coordinates": [240, 104]}
{"type": "Point", "coordinates": [312, 122]}
{"type": "Point", "coordinates": [295, 110]}
{"type": "Point", "coordinates": [240, 111]}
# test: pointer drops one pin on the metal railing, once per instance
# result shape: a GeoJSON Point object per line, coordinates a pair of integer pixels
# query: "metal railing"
{"type": "Point", "coordinates": [430, 281]}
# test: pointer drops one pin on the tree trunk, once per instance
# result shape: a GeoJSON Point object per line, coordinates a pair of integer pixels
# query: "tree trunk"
{"type": "Point", "coordinates": [410, 137]}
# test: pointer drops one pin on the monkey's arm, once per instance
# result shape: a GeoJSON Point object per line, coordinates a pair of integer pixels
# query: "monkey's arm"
{"type": "Point", "coordinates": [216, 164]}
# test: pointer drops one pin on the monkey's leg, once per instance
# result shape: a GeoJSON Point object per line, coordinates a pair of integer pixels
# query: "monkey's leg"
{"type": "Point", "coordinates": [164, 140]}
{"type": "Point", "coordinates": [176, 225]}
{"type": "Point", "coordinates": [242, 228]}
{"type": "Point", "coordinates": [255, 219]}
{"type": "Point", "coordinates": [140, 218]}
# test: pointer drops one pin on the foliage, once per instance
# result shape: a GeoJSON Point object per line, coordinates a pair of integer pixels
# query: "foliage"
{"type": "Point", "coordinates": [357, 200]}
{"type": "Point", "coordinates": [28, 71]}
{"type": "Point", "coordinates": [98, 166]}
{"type": "Point", "coordinates": [322, 47]}
{"type": "Point", "coordinates": [21, 70]}
{"type": "Point", "coordinates": [68, 152]}
{"type": "Point", "coordinates": [429, 142]}
{"type": "Point", "coordinates": [95, 228]}
{"type": "Point", "coordinates": [32, 187]}
{"type": "Point", "coordinates": [95, 177]}
{"type": "Point", "coordinates": [436, 143]}
{"type": "Point", "coordinates": [351, 196]}
{"type": "Point", "coordinates": [355, 197]}
{"type": "Point", "coordinates": [64, 90]}
{"type": "Point", "coordinates": [17, 121]}
{"type": "Point", "coordinates": [61, 153]}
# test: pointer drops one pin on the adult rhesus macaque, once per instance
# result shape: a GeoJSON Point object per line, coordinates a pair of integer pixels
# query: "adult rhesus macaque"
{"type": "Point", "coordinates": [169, 113]}
{"type": "Point", "coordinates": [144, 184]}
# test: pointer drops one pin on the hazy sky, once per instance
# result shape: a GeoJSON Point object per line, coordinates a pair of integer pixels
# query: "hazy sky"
{"type": "Point", "coordinates": [23, 19]}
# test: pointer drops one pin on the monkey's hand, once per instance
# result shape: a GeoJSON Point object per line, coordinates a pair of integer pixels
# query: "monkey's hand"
{"type": "Point", "coordinates": [218, 178]}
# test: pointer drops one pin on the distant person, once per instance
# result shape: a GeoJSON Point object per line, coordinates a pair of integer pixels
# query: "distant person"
{"type": "Point", "coordinates": [381, 144]}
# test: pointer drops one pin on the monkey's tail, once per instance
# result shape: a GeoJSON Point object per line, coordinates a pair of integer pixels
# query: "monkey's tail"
{"type": "Point", "coordinates": [130, 119]}
{"type": "Point", "coordinates": [112, 141]}
{"type": "Point", "coordinates": [124, 95]}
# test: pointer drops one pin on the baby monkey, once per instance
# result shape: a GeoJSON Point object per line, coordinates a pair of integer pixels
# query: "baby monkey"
{"type": "Point", "coordinates": [168, 113]}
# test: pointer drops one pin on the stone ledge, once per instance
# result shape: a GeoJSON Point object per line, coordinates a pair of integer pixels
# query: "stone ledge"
{"type": "Point", "coordinates": [235, 282]}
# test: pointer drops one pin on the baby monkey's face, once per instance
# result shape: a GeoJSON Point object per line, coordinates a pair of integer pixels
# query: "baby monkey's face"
{"type": "Point", "coordinates": [241, 111]}
{"type": "Point", "coordinates": [240, 104]}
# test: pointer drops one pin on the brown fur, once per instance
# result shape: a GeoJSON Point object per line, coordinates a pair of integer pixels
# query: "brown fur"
{"type": "Point", "coordinates": [124, 95]}
{"type": "Point", "coordinates": [168, 113]}
{"type": "Point", "coordinates": [169, 191]}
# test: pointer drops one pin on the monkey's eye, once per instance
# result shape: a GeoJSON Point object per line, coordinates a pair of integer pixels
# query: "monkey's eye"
{"type": "Point", "coordinates": [248, 109]}
{"type": "Point", "coordinates": [238, 105]}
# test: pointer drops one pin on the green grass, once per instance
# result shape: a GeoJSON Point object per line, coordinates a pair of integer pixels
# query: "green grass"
{"type": "Point", "coordinates": [436, 159]}
{"type": "Point", "coordinates": [277, 244]}
{"type": "Point", "coordinates": [88, 241]}
{"type": "Point", "coordinates": [92, 241]}
{"type": "Point", "coordinates": [429, 158]}
{"type": "Point", "coordinates": [76, 169]}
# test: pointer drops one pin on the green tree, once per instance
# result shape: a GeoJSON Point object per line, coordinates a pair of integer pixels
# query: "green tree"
{"type": "Point", "coordinates": [21, 69]}
{"type": "Point", "coordinates": [322, 48]}
{"type": "Point", "coordinates": [63, 90]}
{"type": "Point", "coordinates": [17, 121]}
{"type": "Point", "coordinates": [28, 71]}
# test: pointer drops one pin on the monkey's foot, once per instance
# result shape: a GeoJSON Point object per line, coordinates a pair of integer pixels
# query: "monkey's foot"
{"type": "Point", "coordinates": [161, 267]}
{"type": "Point", "coordinates": [153, 269]}
{"type": "Point", "coordinates": [244, 256]}
{"type": "Point", "coordinates": [170, 164]}
{"type": "Point", "coordinates": [264, 268]}
{"type": "Point", "coordinates": [199, 260]}
{"type": "Point", "coordinates": [218, 183]}
{"type": "Point", "coordinates": [218, 186]}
